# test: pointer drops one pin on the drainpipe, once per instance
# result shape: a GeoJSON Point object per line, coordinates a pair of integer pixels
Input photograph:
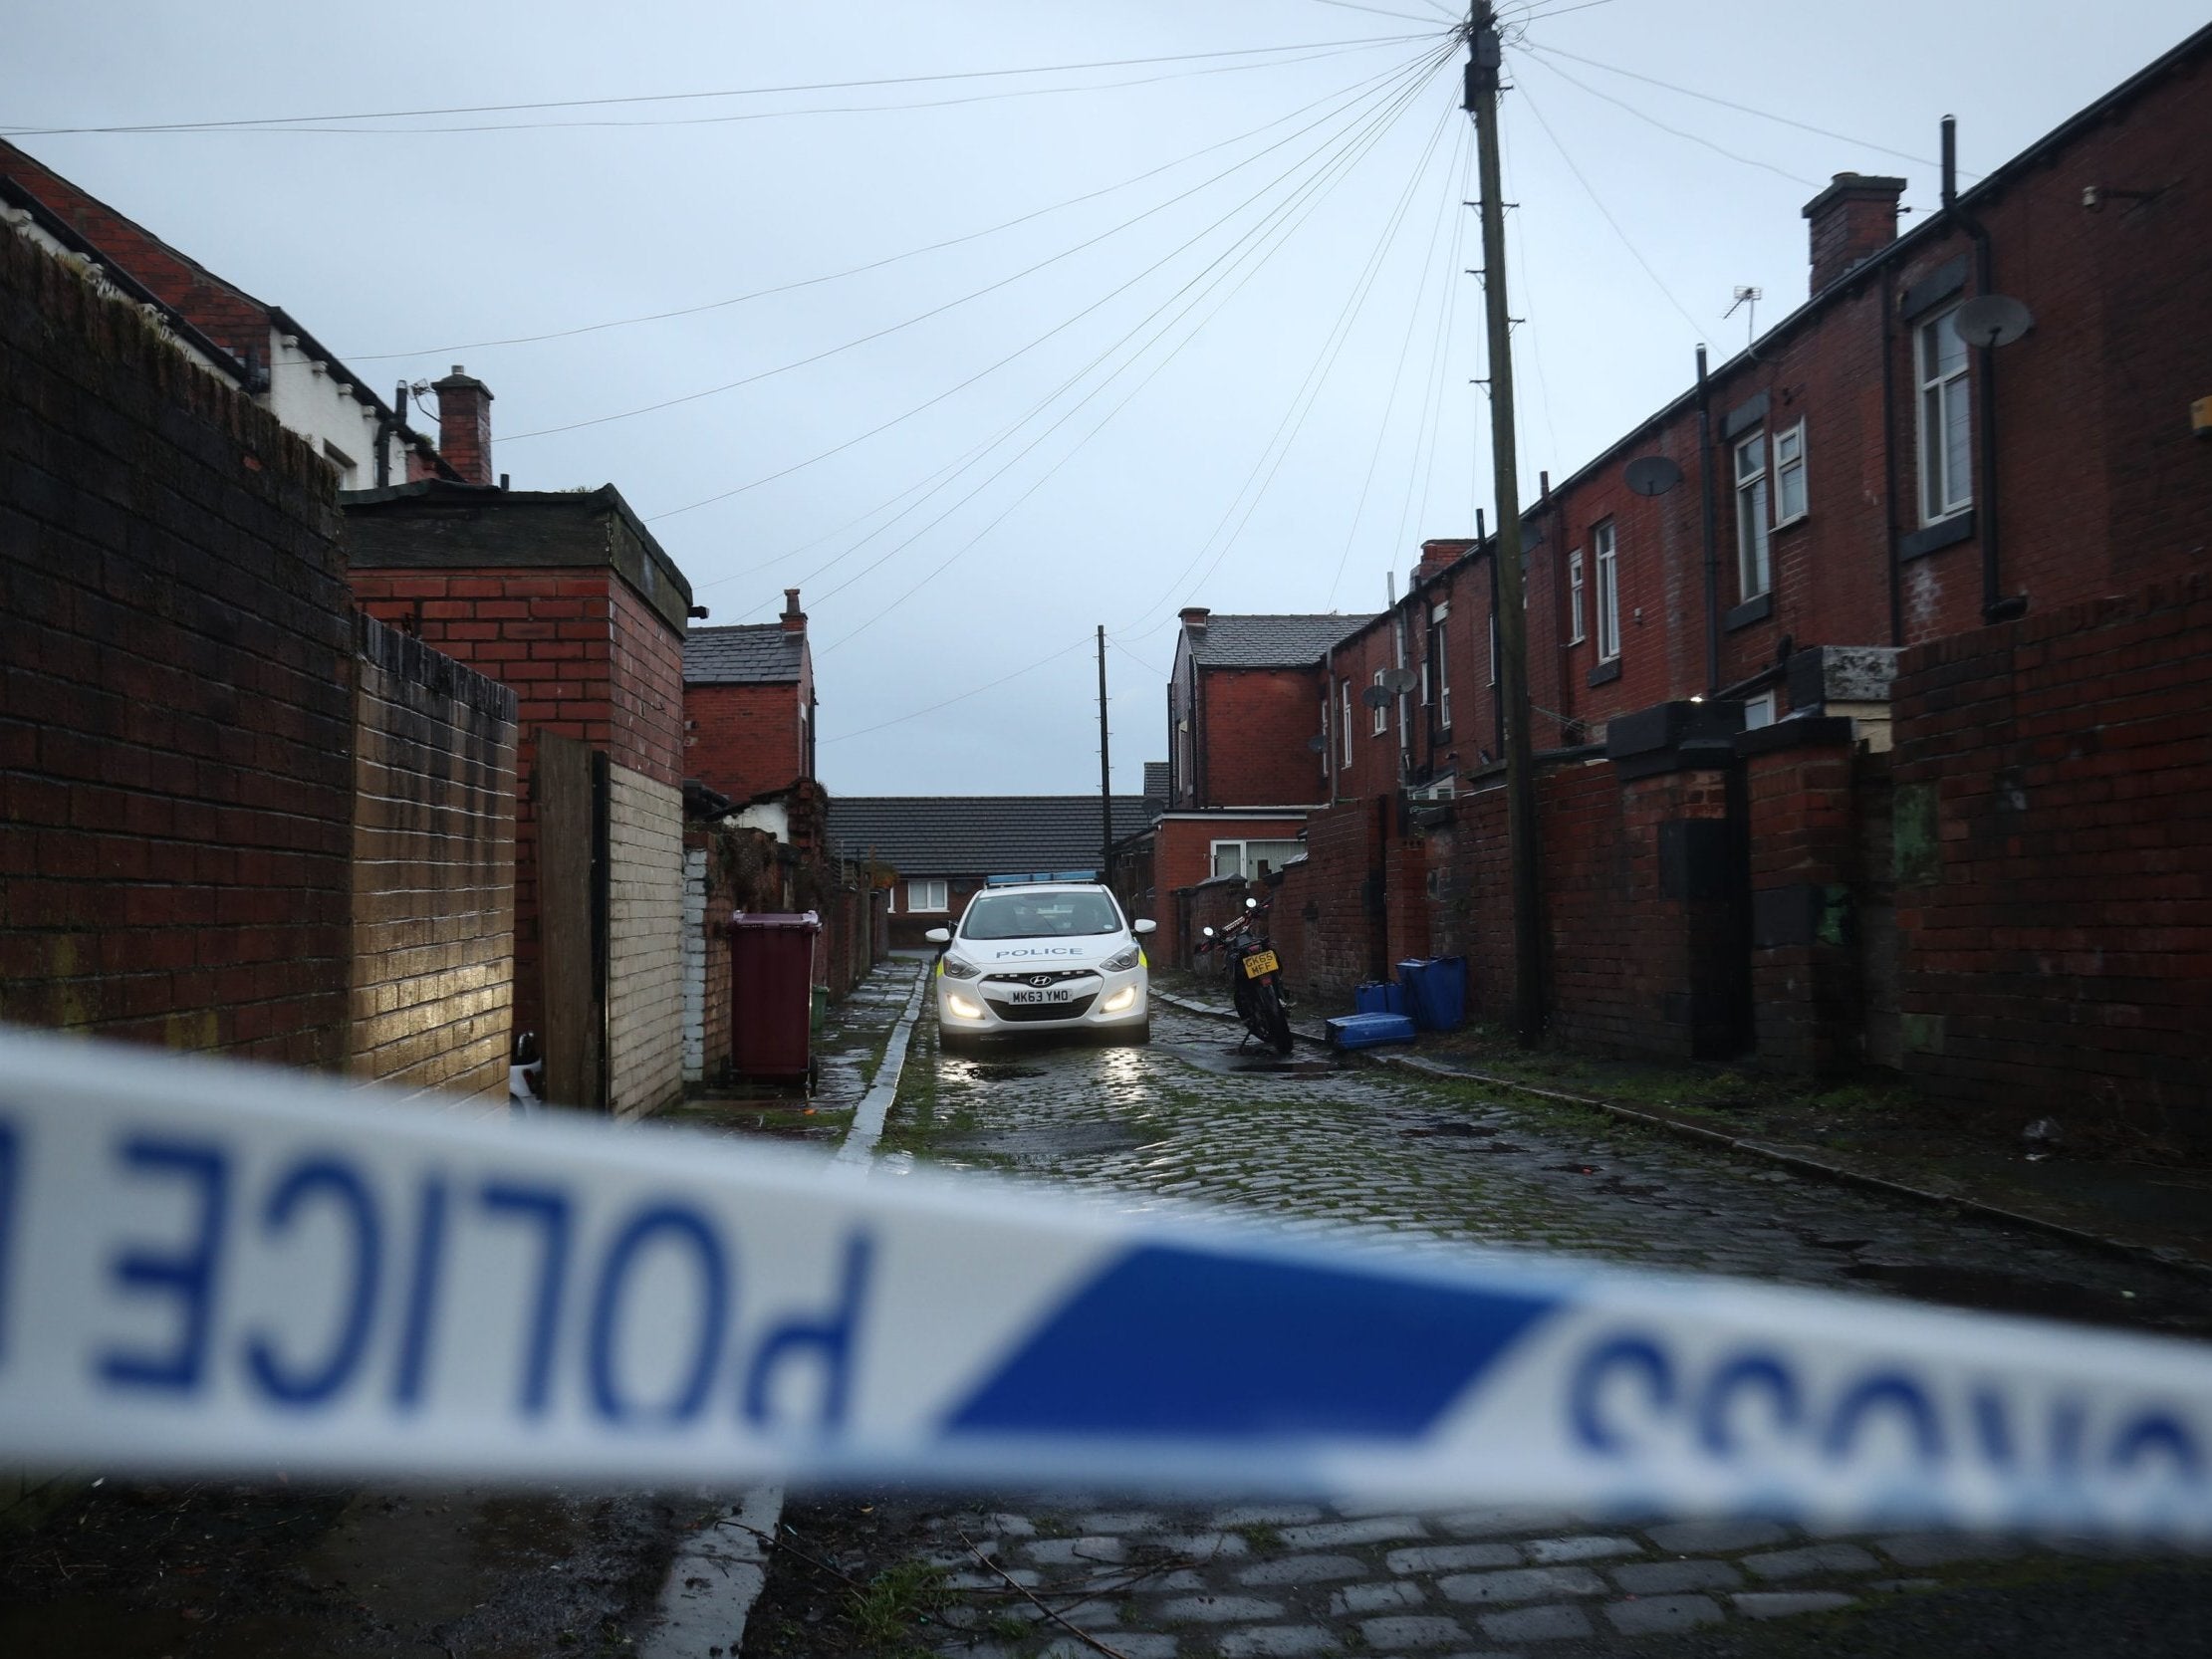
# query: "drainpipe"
{"type": "Point", "coordinates": [1398, 661]}
{"type": "Point", "coordinates": [1708, 529]}
{"type": "Point", "coordinates": [1996, 608]}
{"type": "Point", "coordinates": [387, 429]}
{"type": "Point", "coordinates": [1889, 449]}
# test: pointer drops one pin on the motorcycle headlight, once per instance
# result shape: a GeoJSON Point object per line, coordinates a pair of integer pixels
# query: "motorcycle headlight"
{"type": "Point", "coordinates": [1121, 961]}
{"type": "Point", "coordinates": [957, 969]}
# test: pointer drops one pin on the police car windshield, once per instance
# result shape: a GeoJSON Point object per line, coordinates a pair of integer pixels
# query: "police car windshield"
{"type": "Point", "coordinates": [1040, 916]}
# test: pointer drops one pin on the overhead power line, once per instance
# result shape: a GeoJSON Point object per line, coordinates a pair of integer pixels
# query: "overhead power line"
{"type": "Point", "coordinates": [1676, 131]}
{"type": "Point", "coordinates": [870, 265]}
{"type": "Point", "coordinates": [242, 122]}
{"type": "Point", "coordinates": [1740, 109]}
{"type": "Point", "coordinates": [962, 697]}
{"type": "Point", "coordinates": [1314, 187]}
{"type": "Point", "coordinates": [933, 311]}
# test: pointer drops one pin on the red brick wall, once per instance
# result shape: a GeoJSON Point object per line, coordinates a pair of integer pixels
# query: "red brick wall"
{"type": "Point", "coordinates": [1330, 907]}
{"type": "Point", "coordinates": [1807, 882]}
{"type": "Point", "coordinates": [1256, 727]}
{"type": "Point", "coordinates": [646, 690]}
{"type": "Point", "coordinates": [743, 740]}
{"type": "Point", "coordinates": [434, 868]}
{"type": "Point", "coordinates": [175, 730]}
{"type": "Point", "coordinates": [1184, 849]}
{"type": "Point", "coordinates": [2054, 862]}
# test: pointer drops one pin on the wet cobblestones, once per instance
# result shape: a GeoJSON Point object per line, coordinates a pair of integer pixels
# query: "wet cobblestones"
{"type": "Point", "coordinates": [1311, 1144]}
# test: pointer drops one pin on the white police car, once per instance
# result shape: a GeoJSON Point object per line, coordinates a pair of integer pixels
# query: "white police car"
{"type": "Point", "coordinates": [1039, 957]}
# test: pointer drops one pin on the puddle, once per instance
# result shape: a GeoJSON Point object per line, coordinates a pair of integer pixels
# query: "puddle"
{"type": "Point", "coordinates": [1459, 1131]}
{"type": "Point", "coordinates": [1047, 1141]}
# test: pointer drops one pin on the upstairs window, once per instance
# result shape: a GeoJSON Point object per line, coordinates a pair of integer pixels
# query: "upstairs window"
{"type": "Point", "coordinates": [1381, 707]}
{"type": "Point", "coordinates": [1605, 554]}
{"type": "Point", "coordinates": [1790, 502]}
{"type": "Point", "coordinates": [925, 895]}
{"type": "Point", "coordinates": [1946, 437]}
{"type": "Point", "coordinates": [1344, 725]}
{"type": "Point", "coordinates": [1574, 635]}
{"type": "Point", "coordinates": [1754, 557]}
{"type": "Point", "coordinates": [1440, 674]}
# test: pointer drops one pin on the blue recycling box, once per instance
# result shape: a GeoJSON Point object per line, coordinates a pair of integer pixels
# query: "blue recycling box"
{"type": "Point", "coordinates": [1364, 1031]}
{"type": "Point", "coordinates": [1379, 996]}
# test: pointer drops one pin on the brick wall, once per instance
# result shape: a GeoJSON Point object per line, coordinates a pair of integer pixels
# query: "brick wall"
{"type": "Point", "coordinates": [743, 740]}
{"type": "Point", "coordinates": [175, 788]}
{"type": "Point", "coordinates": [1808, 991]}
{"type": "Point", "coordinates": [1256, 726]}
{"type": "Point", "coordinates": [645, 952]}
{"type": "Point", "coordinates": [433, 870]}
{"type": "Point", "coordinates": [2053, 863]}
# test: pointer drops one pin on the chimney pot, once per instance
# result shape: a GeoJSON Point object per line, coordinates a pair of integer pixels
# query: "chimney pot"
{"type": "Point", "coordinates": [794, 619]}
{"type": "Point", "coordinates": [465, 426]}
{"type": "Point", "coordinates": [1851, 220]}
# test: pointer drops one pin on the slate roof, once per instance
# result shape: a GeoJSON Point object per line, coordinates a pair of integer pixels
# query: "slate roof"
{"type": "Point", "coordinates": [764, 653]}
{"type": "Point", "coordinates": [979, 835]}
{"type": "Point", "coordinates": [1269, 642]}
{"type": "Point", "coordinates": [1155, 779]}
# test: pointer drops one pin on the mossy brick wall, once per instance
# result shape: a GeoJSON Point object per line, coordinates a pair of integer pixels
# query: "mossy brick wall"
{"type": "Point", "coordinates": [433, 870]}
{"type": "Point", "coordinates": [175, 714]}
{"type": "Point", "coordinates": [2053, 863]}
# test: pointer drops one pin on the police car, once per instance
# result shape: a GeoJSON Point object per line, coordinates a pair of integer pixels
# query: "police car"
{"type": "Point", "coordinates": [1042, 956]}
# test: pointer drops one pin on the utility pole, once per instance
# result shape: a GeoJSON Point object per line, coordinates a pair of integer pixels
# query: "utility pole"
{"type": "Point", "coordinates": [1485, 56]}
{"type": "Point", "coordinates": [1105, 775]}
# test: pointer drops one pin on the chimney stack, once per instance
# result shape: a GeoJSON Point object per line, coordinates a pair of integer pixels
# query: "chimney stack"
{"type": "Point", "coordinates": [1194, 618]}
{"type": "Point", "coordinates": [465, 426]}
{"type": "Point", "coordinates": [794, 619]}
{"type": "Point", "coordinates": [1854, 219]}
{"type": "Point", "coordinates": [1437, 554]}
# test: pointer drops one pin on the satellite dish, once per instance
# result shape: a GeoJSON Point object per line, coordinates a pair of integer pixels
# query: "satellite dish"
{"type": "Point", "coordinates": [1317, 743]}
{"type": "Point", "coordinates": [1992, 319]}
{"type": "Point", "coordinates": [1652, 475]}
{"type": "Point", "coordinates": [1376, 697]}
{"type": "Point", "coordinates": [1400, 679]}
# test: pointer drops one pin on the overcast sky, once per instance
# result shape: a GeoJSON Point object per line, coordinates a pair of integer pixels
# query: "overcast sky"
{"type": "Point", "coordinates": [1256, 397]}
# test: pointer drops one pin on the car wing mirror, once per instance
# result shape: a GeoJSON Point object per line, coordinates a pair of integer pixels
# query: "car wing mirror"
{"type": "Point", "coordinates": [1144, 926]}
{"type": "Point", "coordinates": [940, 936]}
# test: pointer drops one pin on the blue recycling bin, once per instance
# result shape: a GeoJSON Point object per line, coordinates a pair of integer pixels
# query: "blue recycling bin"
{"type": "Point", "coordinates": [1435, 991]}
{"type": "Point", "coordinates": [1379, 996]}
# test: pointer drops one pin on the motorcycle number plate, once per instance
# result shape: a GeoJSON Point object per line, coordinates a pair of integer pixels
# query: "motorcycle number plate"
{"type": "Point", "coordinates": [1042, 997]}
{"type": "Point", "coordinates": [1261, 962]}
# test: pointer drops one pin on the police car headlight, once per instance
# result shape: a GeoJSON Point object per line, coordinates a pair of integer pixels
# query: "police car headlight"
{"type": "Point", "coordinates": [1118, 1001]}
{"type": "Point", "coordinates": [1121, 961]}
{"type": "Point", "coordinates": [957, 969]}
{"type": "Point", "coordinates": [962, 1007]}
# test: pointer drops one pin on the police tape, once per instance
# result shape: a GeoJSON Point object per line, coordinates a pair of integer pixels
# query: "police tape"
{"type": "Point", "coordinates": [212, 1266]}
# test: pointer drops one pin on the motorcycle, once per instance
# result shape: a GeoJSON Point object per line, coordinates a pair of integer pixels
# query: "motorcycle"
{"type": "Point", "coordinates": [1249, 959]}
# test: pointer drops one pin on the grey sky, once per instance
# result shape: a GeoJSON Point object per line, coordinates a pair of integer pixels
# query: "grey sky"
{"type": "Point", "coordinates": [431, 243]}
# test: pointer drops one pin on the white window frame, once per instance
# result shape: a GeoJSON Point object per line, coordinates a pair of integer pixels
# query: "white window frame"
{"type": "Point", "coordinates": [1939, 392]}
{"type": "Point", "coordinates": [1346, 723]}
{"type": "Point", "coordinates": [1244, 853]}
{"type": "Point", "coordinates": [920, 889]}
{"type": "Point", "coordinates": [1790, 474]}
{"type": "Point", "coordinates": [1754, 517]}
{"type": "Point", "coordinates": [1758, 711]}
{"type": "Point", "coordinates": [1382, 722]}
{"type": "Point", "coordinates": [1574, 635]}
{"type": "Point", "coordinates": [1604, 542]}
{"type": "Point", "coordinates": [1439, 651]}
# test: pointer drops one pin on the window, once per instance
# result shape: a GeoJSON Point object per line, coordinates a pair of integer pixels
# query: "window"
{"type": "Point", "coordinates": [925, 895]}
{"type": "Point", "coordinates": [1492, 647]}
{"type": "Point", "coordinates": [1946, 442]}
{"type": "Point", "coordinates": [1574, 597]}
{"type": "Point", "coordinates": [343, 462]}
{"type": "Point", "coordinates": [1788, 475]}
{"type": "Point", "coordinates": [1608, 591]}
{"type": "Point", "coordinates": [1346, 723]}
{"type": "Point", "coordinates": [1754, 562]}
{"type": "Point", "coordinates": [1245, 857]}
{"type": "Point", "coordinates": [1440, 665]}
{"type": "Point", "coordinates": [1758, 711]}
{"type": "Point", "coordinates": [1381, 707]}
